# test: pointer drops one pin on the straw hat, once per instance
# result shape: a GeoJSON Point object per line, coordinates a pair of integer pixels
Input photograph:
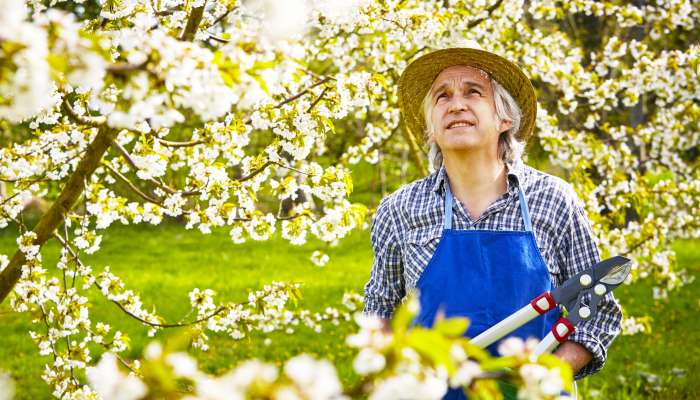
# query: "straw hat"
{"type": "Point", "coordinates": [416, 80]}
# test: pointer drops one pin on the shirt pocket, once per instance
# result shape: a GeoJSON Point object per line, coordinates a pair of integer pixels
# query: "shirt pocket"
{"type": "Point", "coordinates": [419, 246]}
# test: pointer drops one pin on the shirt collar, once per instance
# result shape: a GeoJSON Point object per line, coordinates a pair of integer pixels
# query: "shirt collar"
{"type": "Point", "coordinates": [515, 177]}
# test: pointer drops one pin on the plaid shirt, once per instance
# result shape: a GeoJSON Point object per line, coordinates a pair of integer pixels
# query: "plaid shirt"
{"type": "Point", "coordinates": [407, 226]}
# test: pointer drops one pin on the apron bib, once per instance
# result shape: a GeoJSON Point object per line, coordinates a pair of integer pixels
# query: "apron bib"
{"type": "Point", "coordinates": [484, 275]}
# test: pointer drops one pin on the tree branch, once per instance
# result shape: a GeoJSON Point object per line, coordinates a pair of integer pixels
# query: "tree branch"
{"type": "Point", "coordinates": [124, 68]}
{"type": "Point", "coordinates": [81, 119]}
{"type": "Point", "coordinates": [167, 11]}
{"type": "Point", "coordinates": [311, 107]}
{"type": "Point", "coordinates": [303, 92]}
{"type": "Point", "coordinates": [193, 22]}
{"type": "Point", "coordinates": [489, 11]}
{"type": "Point", "coordinates": [171, 143]}
{"type": "Point", "coordinates": [416, 152]}
{"type": "Point", "coordinates": [415, 53]}
{"type": "Point", "coordinates": [121, 307]}
{"type": "Point", "coordinates": [224, 15]}
{"type": "Point", "coordinates": [5, 200]}
{"type": "Point", "coordinates": [262, 168]}
{"type": "Point", "coordinates": [290, 168]}
{"type": "Point", "coordinates": [218, 39]}
{"type": "Point", "coordinates": [15, 180]}
{"type": "Point", "coordinates": [159, 325]}
{"type": "Point", "coordinates": [133, 187]}
{"type": "Point", "coordinates": [63, 204]}
{"type": "Point", "coordinates": [125, 154]}
{"type": "Point", "coordinates": [135, 167]}
{"type": "Point", "coordinates": [253, 173]}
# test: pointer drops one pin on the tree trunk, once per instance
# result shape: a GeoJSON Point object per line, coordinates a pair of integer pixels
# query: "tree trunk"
{"type": "Point", "coordinates": [63, 204]}
{"type": "Point", "coordinates": [416, 152]}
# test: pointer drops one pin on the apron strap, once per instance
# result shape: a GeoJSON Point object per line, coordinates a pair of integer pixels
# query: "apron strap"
{"type": "Point", "coordinates": [448, 206]}
{"type": "Point", "coordinates": [524, 210]}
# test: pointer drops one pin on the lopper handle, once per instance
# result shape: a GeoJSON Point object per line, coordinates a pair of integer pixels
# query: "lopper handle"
{"type": "Point", "coordinates": [558, 334]}
{"type": "Point", "coordinates": [540, 305]}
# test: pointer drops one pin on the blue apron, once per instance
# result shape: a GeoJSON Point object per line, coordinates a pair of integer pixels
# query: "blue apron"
{"type": "Point", "coordinates": [484, 275]}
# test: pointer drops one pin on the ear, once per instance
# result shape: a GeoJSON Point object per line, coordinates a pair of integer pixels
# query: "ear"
{"type": "Point", "coordinates": [504, 125]}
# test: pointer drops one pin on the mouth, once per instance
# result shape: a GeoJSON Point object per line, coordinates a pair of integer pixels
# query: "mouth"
{"type": "Point", "coordinates": [459, 124]}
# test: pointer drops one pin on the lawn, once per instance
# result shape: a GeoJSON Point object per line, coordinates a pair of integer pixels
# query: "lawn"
{"type": "Point", "coordinates": [164, 263]}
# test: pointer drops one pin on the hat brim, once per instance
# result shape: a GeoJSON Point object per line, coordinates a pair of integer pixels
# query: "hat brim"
{"type": "Point", "coordinates": [416, 80]}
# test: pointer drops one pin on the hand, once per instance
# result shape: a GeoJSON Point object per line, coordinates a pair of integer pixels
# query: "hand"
{"type": "Point", "coordinates": [386, 326]}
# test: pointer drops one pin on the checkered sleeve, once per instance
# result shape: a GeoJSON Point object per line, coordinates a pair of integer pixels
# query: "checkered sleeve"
{"type": "Point", "coordinates": [385, 287]}
{"type": "Point", "coordinates": [578, 251]}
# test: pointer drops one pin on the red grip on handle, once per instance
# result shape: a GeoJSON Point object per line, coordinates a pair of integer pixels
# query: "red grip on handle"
{"type": "Point", "coordinates": [569, 329]}
{"type": "Point", "coordinates": [550, 303]}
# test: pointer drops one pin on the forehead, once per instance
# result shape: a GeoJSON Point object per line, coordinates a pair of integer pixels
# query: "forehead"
{"type": "Point", "coordinates": [459, 74]}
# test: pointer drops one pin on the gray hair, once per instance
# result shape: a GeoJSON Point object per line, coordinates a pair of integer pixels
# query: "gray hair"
{"type": "Point", "coordinates": [509, 147]}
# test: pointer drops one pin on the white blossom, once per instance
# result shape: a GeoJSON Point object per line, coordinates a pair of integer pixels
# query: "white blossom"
{"type": "Point", "coordinates": [112, 384]}
{"type": "Point", "coordinates": [539, 382]}
{"type": "Point", "coordinates": [368, 361]}
{"type": "Point", "coordinates": [7, 387]}
{"type": "Point", "coordinates": [316, 379]}
{"type": "Point", "coordinates": [319, 258]}
{"type": "Point", "coordinates": [408, 386]}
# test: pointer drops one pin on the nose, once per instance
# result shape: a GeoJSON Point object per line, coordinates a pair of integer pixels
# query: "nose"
{"type": "Point", "coordinates": [457, 104]}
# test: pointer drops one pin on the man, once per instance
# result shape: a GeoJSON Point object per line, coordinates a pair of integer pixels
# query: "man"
{"type": "Point", "coordinates": [483, 234]}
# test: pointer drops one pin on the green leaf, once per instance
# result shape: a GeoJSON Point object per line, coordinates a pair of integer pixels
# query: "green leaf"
{"type": "Point", "coordinates": [58, 64]}
{"type": "Point", "coordinates": [359, 213]}
{"type": "Point", "coordinates": [381, 80]}
{"type": "Point", "coordinates": [347, 180]}
{"type": "Point", "coordinates": [179, 341]}
{"type": "Point", "coordinates": [478, 353]}
{"type": "Point", "coordinates": [10, 48]}
{"type": "Point", "coordinates": [252, 194]}
{"type": "Point", "coordinates": [328, 124]}
{"type": "Point", "coordinates": [258, 65]}
{"type": "Point", "coordinates": [294, 294]}
{"type": "Point", "coordinates": [484, 389]}
{"type": "Point", "coordinates": [432, 345]}
{"type": "Point", "coordinates": [452, 326]}
{"type": "Point", "coordinates": [499, 363]}
{"type": "Point", "coordinates": [402, 318]}
{"type": "Point", "coordinates": [260, 81]}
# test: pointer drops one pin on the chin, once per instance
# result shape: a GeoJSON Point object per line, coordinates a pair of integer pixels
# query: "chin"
{"type": "Point", "coordinates": [462, 144]}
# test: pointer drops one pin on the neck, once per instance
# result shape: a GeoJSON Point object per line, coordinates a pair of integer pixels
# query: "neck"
{"type": "Point", "coordinates": [475, 172]}
{"type": "Point", "coordinates": [476, 180]}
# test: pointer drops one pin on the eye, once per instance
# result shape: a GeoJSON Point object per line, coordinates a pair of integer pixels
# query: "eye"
{"type": "Point", "coordinates": [474, 91]}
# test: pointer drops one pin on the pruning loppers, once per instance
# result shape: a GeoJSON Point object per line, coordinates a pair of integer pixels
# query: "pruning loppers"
{"type": "Point", "coordinates": [598, 280]}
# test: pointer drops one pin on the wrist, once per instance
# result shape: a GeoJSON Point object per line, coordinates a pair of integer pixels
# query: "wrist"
{"type": "Point", "coordinates": [574, 354]}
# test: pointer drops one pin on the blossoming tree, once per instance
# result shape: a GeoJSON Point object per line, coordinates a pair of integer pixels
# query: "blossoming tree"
{"type": "Point", "coordinates": [249, 115]}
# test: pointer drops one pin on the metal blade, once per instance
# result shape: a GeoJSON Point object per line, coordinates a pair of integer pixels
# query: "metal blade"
{"type": "Point", "coordinates": [617, 274]}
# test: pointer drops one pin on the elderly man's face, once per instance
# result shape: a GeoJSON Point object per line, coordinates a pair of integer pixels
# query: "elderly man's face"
{"type": "Point", "coordinates": [464, 114]}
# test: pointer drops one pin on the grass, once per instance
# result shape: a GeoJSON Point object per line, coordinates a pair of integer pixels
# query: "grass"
{"type": "Point", "coordinates": [163, 263]}
{"type": "Point", "coordinates": [665, 363]}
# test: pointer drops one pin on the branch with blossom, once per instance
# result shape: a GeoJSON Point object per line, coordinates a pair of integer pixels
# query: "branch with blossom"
{"type": "Point", "coordinates": [409, 363]}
